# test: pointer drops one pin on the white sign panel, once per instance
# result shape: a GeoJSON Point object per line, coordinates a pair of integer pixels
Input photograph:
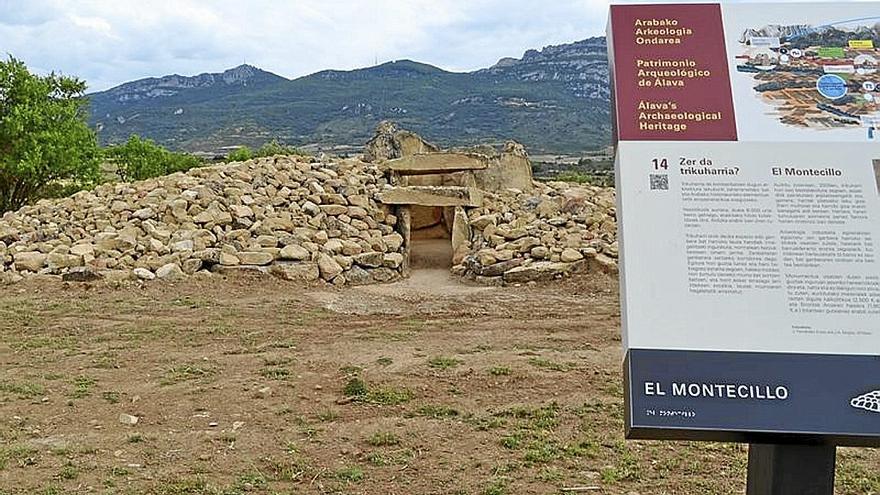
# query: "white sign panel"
{"type": "Point", "coordinates": [748, 169]}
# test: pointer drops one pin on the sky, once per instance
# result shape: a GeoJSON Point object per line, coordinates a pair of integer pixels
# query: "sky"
{"type": "Point", "coordinates": [109, 42]}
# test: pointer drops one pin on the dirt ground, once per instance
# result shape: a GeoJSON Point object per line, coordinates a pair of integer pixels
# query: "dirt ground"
{"type": "Point", "coordinates": [251, 385]}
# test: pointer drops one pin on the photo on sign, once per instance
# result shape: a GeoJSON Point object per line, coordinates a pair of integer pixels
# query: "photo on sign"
{"type": "Point", "coordinates": [807, 72]}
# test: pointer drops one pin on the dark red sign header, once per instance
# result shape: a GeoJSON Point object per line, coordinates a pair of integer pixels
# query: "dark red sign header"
{"type": "Point", "coordinates": [670, 73]}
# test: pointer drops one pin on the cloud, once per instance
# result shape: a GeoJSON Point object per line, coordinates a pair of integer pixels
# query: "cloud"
{"type": "Point", "coordinates": [108, 42]}
{"type": "Point", "coordinates": [96, 24]}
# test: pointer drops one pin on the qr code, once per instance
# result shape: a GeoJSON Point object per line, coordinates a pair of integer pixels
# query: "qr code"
{"type": "Point", "coordinates": [659, 182]}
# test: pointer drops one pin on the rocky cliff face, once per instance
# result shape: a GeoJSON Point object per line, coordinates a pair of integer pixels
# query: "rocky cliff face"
{"type": "Point", "coordinates": [582, 66]}
{"type": "Point", "coordinates": [144, 89]}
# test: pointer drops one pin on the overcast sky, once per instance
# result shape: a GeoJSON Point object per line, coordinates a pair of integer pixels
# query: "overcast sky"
{"type": "Point", "coordinates": [108, 42]}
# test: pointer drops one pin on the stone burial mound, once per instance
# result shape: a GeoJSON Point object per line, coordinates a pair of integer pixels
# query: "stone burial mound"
{"type": "Point", "coordinates": [343, 221]}
{"type": "Point", "coordinates": [554, 231]}
{"type": "Point", "coordinates": [502, 226]}
{"type": "Point", "coordinates": [299, 219]}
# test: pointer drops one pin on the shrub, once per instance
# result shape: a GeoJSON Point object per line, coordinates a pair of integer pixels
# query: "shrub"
{"type": "Point", "coordinates": [575, 177]}
{"type": "Point", "coordinates": [271, 148]}
{"type": "Point", "coordinates": [46, 147]}
{"type": "Point", "coordinates": [240, 154]}
{"type": "Point", "coordinates": [140, 159]}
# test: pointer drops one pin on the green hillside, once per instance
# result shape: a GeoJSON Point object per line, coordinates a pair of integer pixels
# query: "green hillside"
{"type": "Point", "coordinates": [554, 100]}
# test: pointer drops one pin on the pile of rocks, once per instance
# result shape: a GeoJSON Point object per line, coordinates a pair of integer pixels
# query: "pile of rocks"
{"type": "Point", "coordinates": [295, 217]}
{"type": "Point", "coordinates": [551, 232]}
{"type": "Point", "coordinates": [304, 219]}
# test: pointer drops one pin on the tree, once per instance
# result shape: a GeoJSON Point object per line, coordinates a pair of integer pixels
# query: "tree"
{"type": "Point", "coordinates": [270, 148]}
{"type": "Point", "coordinates": [240, 154]}
{"type": "Point", "coordinates": [44, 139]}
{"type": "Point", "coordinates": [273, 148]}
{"type": "Point", "coordinates": [140, 159]}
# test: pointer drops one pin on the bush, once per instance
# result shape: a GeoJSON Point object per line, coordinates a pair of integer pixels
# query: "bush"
{"type": "Point", "coordinates": [271, 148]}
{"type": "Point", "coordinates": [140, 159]}
{"type": "Point", "coordinates": [240, 154]}
{"type": "Point", "coordinates": [355, 388]}
{"type": "Point", "coordinates": [575, 177]}
{"type": "Point", "coordinates": [596, 178]}
{"type": "Point", "coordinates": [46, 147]}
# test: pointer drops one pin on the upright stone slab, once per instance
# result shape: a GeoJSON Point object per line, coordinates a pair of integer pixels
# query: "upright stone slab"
{"type": "Point", "coordinates": [461, 236]}
{"type": "Point", "coordinates": [404, 226]}
{"type": "Point", "coordinates": [510, 169]}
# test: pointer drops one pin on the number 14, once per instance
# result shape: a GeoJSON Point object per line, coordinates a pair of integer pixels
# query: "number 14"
{"type": "Point", "coordinates": [660, 164]}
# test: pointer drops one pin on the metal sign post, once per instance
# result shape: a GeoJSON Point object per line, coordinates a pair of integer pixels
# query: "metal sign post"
{"type": "Point", "coordinates": [776, 469]}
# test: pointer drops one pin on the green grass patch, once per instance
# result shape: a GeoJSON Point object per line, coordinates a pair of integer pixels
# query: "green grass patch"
{"type": "Point", "coordinates": [352, 474]}
{"type": "Point", "coordinates": [22, 454]}
{"type": "Point", "coordinates": [119, 471]}
{"type": "Point", "coordinates": [55, 343]}
{"type": "Point", "coordinates": [357, 390]}
{"type": "Point", "coordinates": [306, 428]}
{"type": "Point", "coordinates": [500, 371]}
{"type": "Point", "coordinates": [277, 361]}
{"type": "Point", "coordinates": [22, 390]}
{"type": "Point", "coordinates": [383, 439]}
{"type": "Point", "coordinates": [497, 486]}
{"type": "Point", "coordinates": [281, 344]}
{"type": "Point", "coordinates": [550, 365]}
{"type": "Point", "coordinates": [250, 481]}
{"type": "Point", "coordinates": [186, 373]}
{"type": "Point", "coordinates": [185, 487]}
{"type": "Point", "coordinates": [550, 475]}
{"type": "Point", "coordinates": [82, 387]}
{"type": "Point", "coordinates": [293, 467]}
{"type": "Point", "coordinates": [392, 458]}
{"type": "Point", "coordinates": [388, 396]}
{"type": "Point", "coordinates": [280, 374]}
{"type": "Point", "coordinates": [532, 432]}
{"type": "Point", "coordinates": [351, 370]}
{"type": "Point", "coordinates": [327, 416]}
{"type": "Point", "coordinates": [855, 478]}
{"type": "Point", "coordinates": [512, 440]}
{"type": "Point", "coordinates": [443, 363]}
{"type": "Point", "coordinates": [437, 412]}
{"type": "Point", "coordinates": [68, 472]}
{"type": "Point", "coordinates": [106, 361]}
{"type": "Point", "coordinates": [486, 423]}
{"type": "Point", "coordinates": [543, 418]}
{"type": "Point", "coordinates": [625, 468]}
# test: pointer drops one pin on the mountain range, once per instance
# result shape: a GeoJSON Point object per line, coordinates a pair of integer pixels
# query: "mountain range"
{"type": "Point", "coordinates": [554, 100]}
{"type": "Point", "coordinates": [806, 36]}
